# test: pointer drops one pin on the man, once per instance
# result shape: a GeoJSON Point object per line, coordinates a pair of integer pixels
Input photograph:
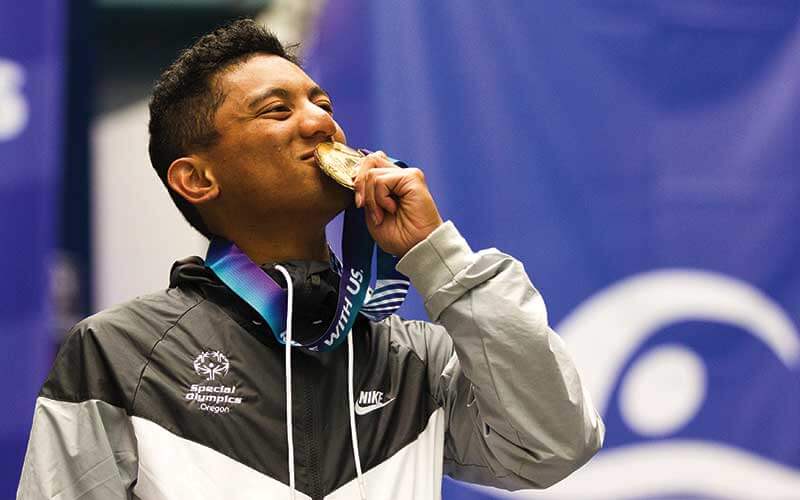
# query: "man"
{"type": "Point", "coordinates": [180, 394]}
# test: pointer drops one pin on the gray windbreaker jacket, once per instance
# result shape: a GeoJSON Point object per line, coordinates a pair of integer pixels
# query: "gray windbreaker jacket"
{"type": "Point", "coordinates": [180, 394]}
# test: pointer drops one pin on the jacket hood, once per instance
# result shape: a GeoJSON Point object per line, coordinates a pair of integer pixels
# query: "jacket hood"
{"type": "Point", "coordinates": [316, 291]}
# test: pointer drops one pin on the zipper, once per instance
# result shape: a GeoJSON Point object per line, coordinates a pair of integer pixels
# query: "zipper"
{"type": "Point", "coordinates": [313, 433]}
{"type": "Point", "coordinates": [312, 285]}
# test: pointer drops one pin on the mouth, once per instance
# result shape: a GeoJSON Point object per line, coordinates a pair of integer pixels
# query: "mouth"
{"type": "Point", "coordinates": [307, 156]}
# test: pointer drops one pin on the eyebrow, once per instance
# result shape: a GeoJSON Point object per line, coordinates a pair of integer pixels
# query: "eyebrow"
{"type": "Point", "coordinates": [313, 92]}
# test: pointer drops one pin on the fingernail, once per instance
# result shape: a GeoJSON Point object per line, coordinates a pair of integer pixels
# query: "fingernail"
{"type": "Point", "coordinates": [358, 199]}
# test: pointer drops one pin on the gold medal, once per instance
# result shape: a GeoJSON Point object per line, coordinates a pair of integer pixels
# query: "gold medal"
{"type": "Point", "coordinates": [338, 161]}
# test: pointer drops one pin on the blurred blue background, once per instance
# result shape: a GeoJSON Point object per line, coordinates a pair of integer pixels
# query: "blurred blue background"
{"type": "Point", "coordinates": [640, 157]}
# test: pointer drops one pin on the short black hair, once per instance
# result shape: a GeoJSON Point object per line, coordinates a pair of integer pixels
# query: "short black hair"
{"type": "Point", "coordinates": [186, 98]}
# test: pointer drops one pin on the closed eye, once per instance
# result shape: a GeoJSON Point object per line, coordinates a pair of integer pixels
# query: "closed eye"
{"type": "Point", "coordinates": [277, 109]}
{"type": "Point", "coordinates": [326, 106]}
{"type": "Point", "coordinates": [281, 112]}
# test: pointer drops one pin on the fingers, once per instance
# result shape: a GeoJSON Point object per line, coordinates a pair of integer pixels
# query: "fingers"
{"type": "Point", "coordinates": [368, 193]}
{"type": "Point", "coordinates": [370, 187]}
{"type": "Point", "coordinates": [380, 185]}
{"type": "Point", "coordinates": [384, 193]}
{"type": "Point", "coordinates": [379, 192]}
{"type": "Point", "coordinates": [377, 159]}
{"type": "Point", "coordinates": [365, 190]}
{"type": "Point", "coordinates": [386, 188]}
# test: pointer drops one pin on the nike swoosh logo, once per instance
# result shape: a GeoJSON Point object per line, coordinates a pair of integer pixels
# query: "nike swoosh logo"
{"type": "Point", "coordinates": [363, 410]}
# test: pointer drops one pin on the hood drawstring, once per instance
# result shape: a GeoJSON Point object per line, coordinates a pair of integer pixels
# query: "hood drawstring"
{"type": "Point", "coordinates": [353, 435]}
{"type": "Point", "coordinates": [288, 363]}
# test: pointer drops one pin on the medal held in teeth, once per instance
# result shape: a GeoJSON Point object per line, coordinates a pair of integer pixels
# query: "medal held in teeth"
{"type": "Point", "coordinates": [338, 161]}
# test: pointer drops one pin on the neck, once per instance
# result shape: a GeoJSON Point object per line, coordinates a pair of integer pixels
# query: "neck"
{"type": "Point", "coordinates": [280, 245]}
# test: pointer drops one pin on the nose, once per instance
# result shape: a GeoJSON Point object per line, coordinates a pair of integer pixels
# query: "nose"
{"type": "Point", "coordinates": [316, 121]}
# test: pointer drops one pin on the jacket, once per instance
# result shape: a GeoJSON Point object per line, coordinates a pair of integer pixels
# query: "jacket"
{"type": "Point", "coordinates": [179, 394]}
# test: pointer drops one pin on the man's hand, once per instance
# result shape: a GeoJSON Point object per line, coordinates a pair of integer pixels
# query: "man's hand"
{"type": "Point", "coordinates": [399, 208]}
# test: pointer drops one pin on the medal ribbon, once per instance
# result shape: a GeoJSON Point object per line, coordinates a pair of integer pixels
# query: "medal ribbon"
{"type": "Point", "coordinates": [247, 280]}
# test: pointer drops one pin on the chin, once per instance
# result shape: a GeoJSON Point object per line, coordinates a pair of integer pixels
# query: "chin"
{"type": "Point", "coordinates": [327, 198]}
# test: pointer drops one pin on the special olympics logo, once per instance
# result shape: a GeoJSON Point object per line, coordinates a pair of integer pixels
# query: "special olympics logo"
{"type": "Point", "coordinates": [211, 364]}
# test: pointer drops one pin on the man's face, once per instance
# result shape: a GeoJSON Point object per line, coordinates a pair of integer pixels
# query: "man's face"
{"type": "Point", "coordinates": [272, 117]}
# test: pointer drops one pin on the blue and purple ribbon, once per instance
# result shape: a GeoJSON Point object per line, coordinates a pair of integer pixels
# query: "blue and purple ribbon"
{"type": "Point", "coordinates": [247, 280]}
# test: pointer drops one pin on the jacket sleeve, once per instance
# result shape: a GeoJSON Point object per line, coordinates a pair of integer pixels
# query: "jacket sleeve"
{"type": "Point", "coordinates": [80, 446]}
{"type": "Point", "coordinates": [517, 414]}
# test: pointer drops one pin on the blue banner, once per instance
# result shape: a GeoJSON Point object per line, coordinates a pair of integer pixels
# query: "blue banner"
{"type": "Point", "coordinates": [31, 79]}
{"type": "Point", "coordinates": [640, 157]}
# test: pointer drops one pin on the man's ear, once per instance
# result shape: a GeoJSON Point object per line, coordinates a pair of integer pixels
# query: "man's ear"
{"type": "Point", "coordinates": [196, 184]}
